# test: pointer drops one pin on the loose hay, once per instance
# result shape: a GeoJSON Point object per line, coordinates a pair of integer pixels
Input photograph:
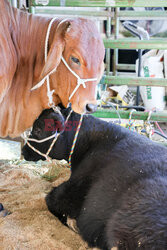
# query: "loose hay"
{"type": "Point", "coordinates": [30, 225]}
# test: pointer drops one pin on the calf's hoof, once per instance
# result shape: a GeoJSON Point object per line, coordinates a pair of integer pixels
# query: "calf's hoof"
{"type": "Point", "coordinates": [3, 212]}
{"type": "Point", "coordinates": [1, 207]}
{"type": "Point", "coordinates": [71, 223]}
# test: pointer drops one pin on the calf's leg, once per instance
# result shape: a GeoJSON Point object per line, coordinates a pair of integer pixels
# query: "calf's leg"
{"type": "Point", "coordinates": [67, 199]}
{"type": "Point", "coordinates": [56, 203]}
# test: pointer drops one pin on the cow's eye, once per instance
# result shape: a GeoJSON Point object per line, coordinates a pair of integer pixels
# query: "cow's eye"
{"type": "Point", "coordinates": [75, 60]}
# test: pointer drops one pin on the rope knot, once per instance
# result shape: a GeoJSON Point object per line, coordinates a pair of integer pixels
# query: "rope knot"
{"type": "Point", "coordinates": [81, 82]}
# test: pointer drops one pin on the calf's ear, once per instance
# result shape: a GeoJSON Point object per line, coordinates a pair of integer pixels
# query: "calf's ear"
{"type": "Point", "coordinates": [55, 51]}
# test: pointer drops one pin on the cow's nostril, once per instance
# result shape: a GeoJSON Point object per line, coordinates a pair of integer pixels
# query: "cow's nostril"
{"type": "Point", "coordinates": [90, 108]}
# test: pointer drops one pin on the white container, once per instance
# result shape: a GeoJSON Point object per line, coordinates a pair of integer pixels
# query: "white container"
{"type": "Point", "coordinates": [152, 66]}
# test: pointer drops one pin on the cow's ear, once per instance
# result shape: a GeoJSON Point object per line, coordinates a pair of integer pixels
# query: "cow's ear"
{"type": "Point", "coordinates": [55, 51]}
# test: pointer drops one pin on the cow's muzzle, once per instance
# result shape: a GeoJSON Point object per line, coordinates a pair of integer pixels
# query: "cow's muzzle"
{"type": "Point", "coordinates": [90, 108]}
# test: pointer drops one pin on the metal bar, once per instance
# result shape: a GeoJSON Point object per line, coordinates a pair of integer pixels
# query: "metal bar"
{"type": "Point", "coordinates": [116, 34]}
{"type": "Point", "coordinates": [145, 15]}
{"type": "Point", "coordinates": [63, 2]}
{"type": "Point", "coordinates": [130, 67]}
{"type": "Point", "coordinates": [135, 81]}
{"type": "Point", "coordinates": [14, 3]}
{"type": "Point", "coordinates": [50, 10]}
{"type": "Point", "coordinates": [107, 61]}
{"type": "Point", "coordinates": [135, 44]}
{"type": "Point", "coordinates": [32, 10]}
{"type": "Point", "coordinates": [103, 3]}
{"type": "Point", "coordinates": [110, 113]}
{"type": "Point", "coordinates": [108, 33]}
{"type": "Point", "coordinates": [139, 74]}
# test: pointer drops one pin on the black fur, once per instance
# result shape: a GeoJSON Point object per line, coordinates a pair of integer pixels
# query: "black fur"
{"type": "Point", "coordinates": [117, 191]}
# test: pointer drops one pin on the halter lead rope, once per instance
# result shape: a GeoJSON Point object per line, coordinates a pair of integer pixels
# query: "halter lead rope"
{"type": "Point", "coordinates": [74, 140]}
{"type": "Point", "coordinates": [80, 81]}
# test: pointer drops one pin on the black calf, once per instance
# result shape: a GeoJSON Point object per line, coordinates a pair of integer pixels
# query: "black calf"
{"type": "Point", "coordinates": [117, 191]}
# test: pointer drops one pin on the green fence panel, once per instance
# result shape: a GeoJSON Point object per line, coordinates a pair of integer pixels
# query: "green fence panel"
{"type": "Point", "coordinates": [101, 3]}
{"type": "Point", "coordinates": [59, 11]}
{"type": "Point", "coordinates": [125, 67]}
{"type": "Point", "coordinates": [134, 81]}
{"type": "Point", "coordinates": [137, 115]}
{"type": "Point", "coordinates": [133, 15]}
{"type": "Point", "coordinates": [135, 44]}
{"type": "Point", "coordinates": [123, 15]}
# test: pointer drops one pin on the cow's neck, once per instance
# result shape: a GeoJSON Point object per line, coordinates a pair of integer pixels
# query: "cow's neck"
{"type": "Point", "coordinates": [21, 107]}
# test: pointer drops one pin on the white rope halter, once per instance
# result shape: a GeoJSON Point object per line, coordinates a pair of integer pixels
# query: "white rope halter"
{"type": "Point", "coordinates": [55, 136]}
{"type": "Point", "coordinates": [24, 135]}
{"type": "Point", "coordinates": [80, 81]}
{"type": "Point", "coordinates": [38, 85]}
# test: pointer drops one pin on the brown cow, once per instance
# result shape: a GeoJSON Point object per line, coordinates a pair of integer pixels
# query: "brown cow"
{"type": "Point", "coordinates": [22, 65]}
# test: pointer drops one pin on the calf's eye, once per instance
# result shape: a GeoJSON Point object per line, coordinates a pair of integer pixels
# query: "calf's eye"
{"type": "Point", "coordinates": [37, 131]}
{"type": "Point", "coordinates": [75, 60]}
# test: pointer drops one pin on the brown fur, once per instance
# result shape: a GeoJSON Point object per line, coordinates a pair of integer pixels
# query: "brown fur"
{"type": "Point", "coordinates": [22, 38]}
